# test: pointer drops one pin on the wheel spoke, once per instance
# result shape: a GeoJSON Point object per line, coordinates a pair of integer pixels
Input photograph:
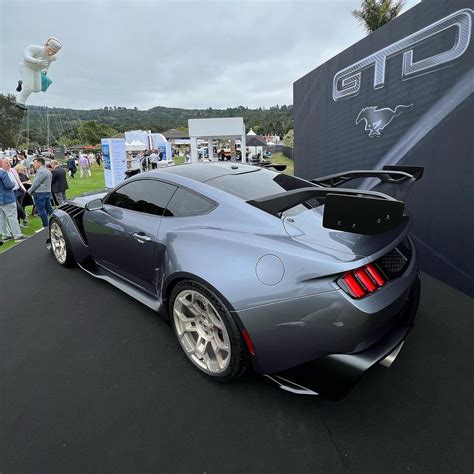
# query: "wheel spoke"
{"type": "Point", "coordinates": [182, 316]}
{"type": "Point", "coordinates": [197, 310]}
{"type": "Point", "coordinates": [220, 345]}
{"type": "Point", "coordinates": [200, 348]}
{"type": "Point", "coordinates": [214, 318]}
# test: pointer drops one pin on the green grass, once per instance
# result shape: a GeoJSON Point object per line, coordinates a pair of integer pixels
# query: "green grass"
{"type": "Point", "coordinates": [96, 181]}
{"type": "Point", "coordinates": [76, 186]}
{"type": "Point", "coordinates": [279, 159]}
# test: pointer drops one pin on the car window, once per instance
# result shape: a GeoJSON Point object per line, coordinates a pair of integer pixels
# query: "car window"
{"type": "Point", "coordinates": [144, 195]}
{"type": "Point", "coordinates": [263, 183]}
{"type": "Point", "coordinates": [257, 184]}
{"type": "Point", "coordinates": [185, 203]}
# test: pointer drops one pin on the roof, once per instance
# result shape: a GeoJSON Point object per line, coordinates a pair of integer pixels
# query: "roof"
{"type": "Point", "coordinates": [173, 133]}
{"type": "Point", "coordinates": [203, 172]}
{"type": "Point", "coordinates": [255, 140]}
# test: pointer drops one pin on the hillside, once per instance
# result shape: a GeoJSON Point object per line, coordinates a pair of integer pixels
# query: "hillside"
{"type": "Point", "coordinates": [63, 123]}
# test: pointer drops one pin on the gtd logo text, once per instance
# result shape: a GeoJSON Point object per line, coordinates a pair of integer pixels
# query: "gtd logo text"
{"type": "Point", "coordinates": [346, 83]}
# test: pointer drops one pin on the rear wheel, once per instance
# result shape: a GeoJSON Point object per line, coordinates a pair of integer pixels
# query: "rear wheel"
{"type": "Point", "coordinates": [207, 332]}
{"type": "Point", "coordinates": [60, 245]}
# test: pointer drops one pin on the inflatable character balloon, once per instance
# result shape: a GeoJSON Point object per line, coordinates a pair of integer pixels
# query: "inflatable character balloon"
{"type": "Point", "coordinates": [33, 69]}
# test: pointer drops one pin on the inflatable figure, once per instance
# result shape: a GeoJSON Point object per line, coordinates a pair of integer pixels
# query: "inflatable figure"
{"type": "Point", "coordinates": [33, 69]}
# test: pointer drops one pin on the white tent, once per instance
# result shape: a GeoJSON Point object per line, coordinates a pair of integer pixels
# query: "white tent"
{"type": "Point", "coordinates": [135, 145]}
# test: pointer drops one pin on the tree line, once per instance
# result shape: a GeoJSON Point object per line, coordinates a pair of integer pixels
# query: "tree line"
{"type": "Point", "coordinates": [69, 126]}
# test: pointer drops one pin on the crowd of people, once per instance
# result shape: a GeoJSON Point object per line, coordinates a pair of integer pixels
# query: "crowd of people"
{"type": "Point", "coordinates": [40, 184]}
{"type": "Point", "coordinates": [148, 159]}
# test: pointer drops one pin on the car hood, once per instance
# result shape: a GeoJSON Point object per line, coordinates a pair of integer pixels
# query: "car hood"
{"type": "Point", "coordinates": [84, 198]}
{"type": "Point", "coordinates": [308, 227]}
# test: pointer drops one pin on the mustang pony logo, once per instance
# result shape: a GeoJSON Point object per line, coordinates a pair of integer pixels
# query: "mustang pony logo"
{"type": "Point", "coordinates": [377, 119]}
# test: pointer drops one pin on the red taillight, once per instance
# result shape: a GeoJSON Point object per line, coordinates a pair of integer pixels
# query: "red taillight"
{"type": "Point", "coordinates": [355, 288]}
{"type": "Point", "coordinates": [361, 281]}
{"type": "Point", "coordinates": [364, 278]}
{"type": "Point", "coordinates": [375, 274]}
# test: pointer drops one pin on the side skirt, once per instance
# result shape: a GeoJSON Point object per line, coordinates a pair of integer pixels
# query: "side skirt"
{"type": "Point", "coordinates": [145, 298]}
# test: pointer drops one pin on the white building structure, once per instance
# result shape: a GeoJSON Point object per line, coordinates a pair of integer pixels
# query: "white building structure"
{"type": "Point", "coordinates": [229, 128]}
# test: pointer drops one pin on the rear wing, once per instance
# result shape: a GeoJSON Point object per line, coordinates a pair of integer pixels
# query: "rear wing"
{"type": "Point", "coordinates": [396, 181]}
{"type": "Point", "coordinates": [389, 174]}
{"type": "Point", "coordinates": [348, 210]}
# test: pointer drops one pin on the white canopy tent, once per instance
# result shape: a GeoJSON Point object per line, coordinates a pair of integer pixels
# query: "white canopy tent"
{"type": "Point", "coordinates": [135, 145]}
{"type": "Point", "coordinates": [223, 128]}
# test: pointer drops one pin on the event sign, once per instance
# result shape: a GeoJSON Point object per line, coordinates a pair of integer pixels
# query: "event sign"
{"type": "Point", "coordinates": [403, 95]}
{"type": "Point", "coordinates": [114, 160]}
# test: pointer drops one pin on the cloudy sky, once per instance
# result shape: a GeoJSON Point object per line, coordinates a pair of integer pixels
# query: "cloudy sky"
{"type": "Point", "coordinates": [189, 54]}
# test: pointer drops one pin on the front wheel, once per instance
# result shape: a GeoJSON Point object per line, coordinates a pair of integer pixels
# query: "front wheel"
{"type": "Point", "coordinates": [207, 332]}
{"type": "Point", "coordinates": [60, 245]}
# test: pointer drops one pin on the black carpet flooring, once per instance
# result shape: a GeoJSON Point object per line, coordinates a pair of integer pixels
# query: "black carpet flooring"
{"type": "Point", "coordinates": [92, 381]}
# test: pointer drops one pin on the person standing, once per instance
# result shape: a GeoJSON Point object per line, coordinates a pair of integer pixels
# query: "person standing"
{"type": "Point", "coordinates": [8, 213]}
{"type": "Point", "coordinates": [41, 190]}
{"type": "Point", "coordinates": [84, 165]}
{"type": "Point", "coordinates": [58, 182]}
{"type": "Point", "coordinates": [19, 190]}
{"type": "Point", "coordinates": [71, 165]}
{"type": "Point", "coordinates": [154, 158]}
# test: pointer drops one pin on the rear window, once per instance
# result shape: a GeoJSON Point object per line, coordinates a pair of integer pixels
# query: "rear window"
{"type": "Point", "coordinates": [261, 183]}
{"type": "Point", "coordinates": [184, 203]}
{"type": "Point", "coordinates": [257, 184]}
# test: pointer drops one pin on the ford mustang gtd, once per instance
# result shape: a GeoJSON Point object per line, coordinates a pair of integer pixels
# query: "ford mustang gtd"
{"type": "Point", "coordinates": [309, 282]}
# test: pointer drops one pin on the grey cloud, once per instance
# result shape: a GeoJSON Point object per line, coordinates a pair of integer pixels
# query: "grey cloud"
{"type": "Point", "coordinates": [192, 54]}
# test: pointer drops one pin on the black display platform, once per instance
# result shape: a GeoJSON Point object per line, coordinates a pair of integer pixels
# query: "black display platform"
{"type": "Point", "coordinates": [92, 381]}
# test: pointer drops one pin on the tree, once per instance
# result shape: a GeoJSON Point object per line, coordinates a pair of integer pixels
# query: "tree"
{"type": "Point", "coordinates": [288, 139]}
{"type": "Point", "coordinates": [91, 132]}
{"type": "Point", "coordinates": [375, 13]}
{"type": "Point", "coordinates": [10, 121]}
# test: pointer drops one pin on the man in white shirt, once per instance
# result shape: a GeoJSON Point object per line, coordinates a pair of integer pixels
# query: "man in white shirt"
{"type": "Point", "coordinates": [36, 59]}
{"type": "Point", "coordinates": [154, 158]}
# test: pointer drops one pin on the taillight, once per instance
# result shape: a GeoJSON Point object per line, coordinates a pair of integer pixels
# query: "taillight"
{"type": "Point", "coordinates": [361, 281]}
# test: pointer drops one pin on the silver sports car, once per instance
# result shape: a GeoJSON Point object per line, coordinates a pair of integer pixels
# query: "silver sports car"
{"type": "Point", "coordinates": [309, 282]}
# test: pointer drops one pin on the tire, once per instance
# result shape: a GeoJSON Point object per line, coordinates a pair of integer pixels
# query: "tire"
{"type": "Point", "coordinates": [206, 331]}
{"type": "Point", "coordinates": [60, 245]}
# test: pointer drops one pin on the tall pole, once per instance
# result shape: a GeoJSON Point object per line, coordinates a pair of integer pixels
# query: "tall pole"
{"type": "Point", "coordinates": [47, 127]}
{"type": "Point", "coordinates": [27, 130]}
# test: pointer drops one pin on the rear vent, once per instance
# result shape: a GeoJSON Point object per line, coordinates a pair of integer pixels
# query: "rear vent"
{"type": "Point", "coordinates": [73, 210]}
{"type": "Point", "coordinates": [395, 262]}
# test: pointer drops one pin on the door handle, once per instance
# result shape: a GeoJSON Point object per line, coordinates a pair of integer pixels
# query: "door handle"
{"type": "Point", "coordinates": [141, 237]}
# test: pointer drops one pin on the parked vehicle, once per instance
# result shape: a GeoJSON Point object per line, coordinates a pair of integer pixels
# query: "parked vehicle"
{"type": "Point", "coordinates": [308, 282]}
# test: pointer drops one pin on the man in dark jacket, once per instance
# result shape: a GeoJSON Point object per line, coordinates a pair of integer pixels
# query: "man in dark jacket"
{"type": "Point", "coordinates": [71, 165]}
{"type": "Point", "coordinates": [58, 182]}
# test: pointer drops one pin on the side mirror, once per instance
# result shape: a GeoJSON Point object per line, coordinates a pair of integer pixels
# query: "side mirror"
{"type": "Point", "coordinates": [95, 205]}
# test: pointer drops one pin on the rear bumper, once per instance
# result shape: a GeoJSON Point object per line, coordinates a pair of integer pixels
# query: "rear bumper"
{"type": "Point", "coordinates": [332, 376]}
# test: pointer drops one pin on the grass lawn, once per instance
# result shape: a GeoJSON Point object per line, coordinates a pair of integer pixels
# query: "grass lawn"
{"type": "Point", "coordinates": [76, 186]}
{"type": "Point", "coordinates": [279, 159]}
{"type": "Point", "coordinates": [96, 182]}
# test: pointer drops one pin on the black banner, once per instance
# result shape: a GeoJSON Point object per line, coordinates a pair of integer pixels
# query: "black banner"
{"type": "Point", "coordinates": [403, 96]}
